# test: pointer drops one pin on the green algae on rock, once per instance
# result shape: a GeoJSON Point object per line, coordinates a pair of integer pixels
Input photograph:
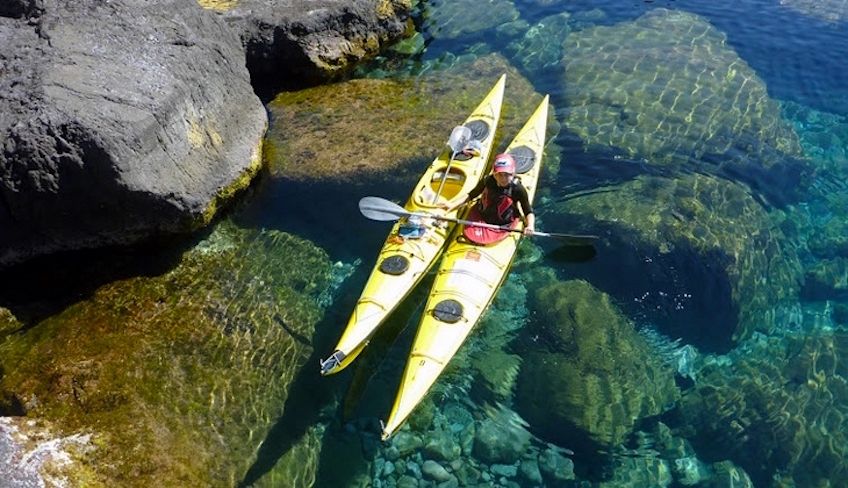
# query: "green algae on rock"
{"type": "Point", "coordinates": [8, 324]}
{"type": "Point", "coordinates": [594, 370]}
{"type": "Point", "coordinates": [777, 407]}
{"type": "Point", "coordinates": [718, 220]}
{"type": "Point", "coordinates": [176, 377]}
{"type": "Point", "coordinates": [668, 89]}
{"type": "Point", "coordinates": [387, 128]}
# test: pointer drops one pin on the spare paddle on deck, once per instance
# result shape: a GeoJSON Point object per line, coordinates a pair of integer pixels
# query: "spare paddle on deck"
{"type": "Point", "coordinates": [376, 208]}
{"type": "Point", "coordinates": [460, 135]}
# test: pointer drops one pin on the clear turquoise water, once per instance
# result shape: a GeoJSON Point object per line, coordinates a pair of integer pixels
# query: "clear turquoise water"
{"type": "Point", "coordinates": [720, 275]}
{"type": "Point", "coordinates": [751, 410]}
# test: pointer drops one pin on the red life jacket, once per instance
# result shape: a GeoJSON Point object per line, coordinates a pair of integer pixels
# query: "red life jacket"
{"type": "Point", "coordinates": [496, 205]}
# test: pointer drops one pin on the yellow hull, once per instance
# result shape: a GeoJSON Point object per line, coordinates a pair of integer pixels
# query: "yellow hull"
{"type": "Point", "coordinates": [468, 278]}
{"type": "Point", "coordinates": [403, 262]}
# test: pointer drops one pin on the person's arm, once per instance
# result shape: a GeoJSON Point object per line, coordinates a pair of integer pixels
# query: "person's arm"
{"type": "Point", "coordinates": [527, 210]}
{"type": "Point", "coordinates": [474, 193]}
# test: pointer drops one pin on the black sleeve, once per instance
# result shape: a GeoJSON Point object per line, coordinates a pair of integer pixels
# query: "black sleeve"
{"type": "Point", "coordinates": [520, 194]}
{"type": "Point", "coordinates": [477, 190]}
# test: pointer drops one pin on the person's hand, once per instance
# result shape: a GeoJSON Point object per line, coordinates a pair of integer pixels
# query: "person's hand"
{"type": "Point", "coordinates": [529, 230]}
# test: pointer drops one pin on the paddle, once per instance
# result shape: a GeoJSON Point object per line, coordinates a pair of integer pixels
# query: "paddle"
{"type": "Point", "coordinates": [459, 137]}
{"type": "Point", "coordinates": [376, 208]}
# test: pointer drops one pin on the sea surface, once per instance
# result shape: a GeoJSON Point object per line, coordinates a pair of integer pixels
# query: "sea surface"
{"type": "Point", "coordinates": [698, 343]}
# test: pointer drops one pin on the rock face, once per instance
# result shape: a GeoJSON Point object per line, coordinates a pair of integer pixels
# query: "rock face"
{"type": "Point", "coordinates": [118, 121]}
{"type": "Point", "coordinates": [310, 40]}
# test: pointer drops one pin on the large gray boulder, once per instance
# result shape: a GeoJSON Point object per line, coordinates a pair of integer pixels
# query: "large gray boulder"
{"type": "Point", "coordinates": [310, 41]}
{"type": "Point", "coordinates": [119, 121]}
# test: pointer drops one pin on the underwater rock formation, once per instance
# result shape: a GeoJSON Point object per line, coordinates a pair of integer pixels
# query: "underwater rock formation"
{"type": "Point", "coordinates": [450, 19]}
{"type": "Point", "coordinates": [119, 121]}
{"type": "Point", "coordinates": [593, 371]}
{"type": "Point", "coordinates": [386, 128]}
{"type": "Point", "coordinates": [177, 377]}
{"type": "Point", "coordinates": [777, 407]}
{"type": "Point", "coordinates": [541, 47]}
{"type": "Point", "coordinates": [827, 280]}
{"type": "Point", "coordinates": [712, 239]}
{"type": "Point", "coordinates": [667, 89]}
{"type": "Point", "coordinates": [829, 10]}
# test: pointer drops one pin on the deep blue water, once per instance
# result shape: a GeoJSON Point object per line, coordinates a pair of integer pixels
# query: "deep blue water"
{"type": "Point", "coordinates": [684, 297]}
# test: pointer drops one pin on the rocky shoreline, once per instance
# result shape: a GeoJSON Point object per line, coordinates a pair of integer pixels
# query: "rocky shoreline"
{"type": "Point", "coordinates": [132, 120]}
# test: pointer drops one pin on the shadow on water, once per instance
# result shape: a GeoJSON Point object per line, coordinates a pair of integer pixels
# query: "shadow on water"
{"type": "Point", "coordinates": [369, 395]}
{"type": "Point", "coordinates": [45, 286]}
{"type": "Point", "coordinates": [310, 393]}
{"type": "Point", "coordinates": [685, 293]}
{"type": "Point", "coordinates": [327, 212]}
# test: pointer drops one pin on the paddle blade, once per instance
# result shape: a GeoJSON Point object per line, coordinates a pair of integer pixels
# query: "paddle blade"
{"type": "Point", "coordinates": [460, 135]}
{"type": "Point", "coordinates": [376, 208]}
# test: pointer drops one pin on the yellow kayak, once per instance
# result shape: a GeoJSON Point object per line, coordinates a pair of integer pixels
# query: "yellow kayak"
{"type": "Point", "coordinates": [467, 280]}
{"type": "Point", "coordinates": [413, 245]}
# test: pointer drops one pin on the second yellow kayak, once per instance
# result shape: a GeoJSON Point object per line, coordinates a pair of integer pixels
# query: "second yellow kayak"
{"type": "Point", "coordinates": [466, 282]}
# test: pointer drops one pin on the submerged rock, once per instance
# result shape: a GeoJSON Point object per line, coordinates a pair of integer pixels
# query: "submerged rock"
{"type": "Point", "coordinates": [177, 377]}
{"type": "Point", "coordinates": [541, 47]}
{"type": "Point", "coordinates": [450, 19]}
{"type": "Point", "coordinates": [500, 440]}
{"type": "Point", "coordinates": [776, 408]}
{"type": "Point", "coordinates": [726, 257]}
{"type": "Point", "coordinates": [667, 89]}
{"type": "Point", "coordinates": [309, 41]}
{"type": "Point", "coordinates": [829, 10]}
{"type": "Point", "coordinates": [119, 121]}
{"type": "Point", "coordinates": [33, 456]}
{"type": "Point", "coordinates": [593, 371]}
{"type": "Point", "coordinates": [357, 130]}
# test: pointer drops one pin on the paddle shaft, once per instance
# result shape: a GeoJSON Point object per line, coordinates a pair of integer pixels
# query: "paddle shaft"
{"type": "Point", "coordinates": [376, 208]}
{"type": "Point", "coordinates": [444, 177]}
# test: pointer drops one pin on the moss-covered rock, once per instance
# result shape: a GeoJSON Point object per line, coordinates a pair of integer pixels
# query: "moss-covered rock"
{"type": "Point", "coordinates": [595, 371]}
{"type": "Point", "coordinates": [736, 245]}
{"type": "Point", "coordinates": [666, 88]}
{"type": "Point", "coordinates": [366, 128]}
{"type": "Point", "coordinates": [8, 324]}
{"type": "Point", "coordinates": [176, 377]}
{"type": "Point", "coordinates": [777, 407]}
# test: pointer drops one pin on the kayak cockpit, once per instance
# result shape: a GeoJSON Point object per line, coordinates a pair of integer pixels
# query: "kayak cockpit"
{"type": "Point", "coordinates": [454, 180]}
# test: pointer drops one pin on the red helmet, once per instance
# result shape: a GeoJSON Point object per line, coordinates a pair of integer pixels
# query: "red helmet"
{"type": "Point", "coordinates": [504, 163]}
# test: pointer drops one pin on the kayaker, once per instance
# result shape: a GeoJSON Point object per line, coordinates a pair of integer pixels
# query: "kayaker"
{"type": "Point", "coordinates": [502, 195]}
